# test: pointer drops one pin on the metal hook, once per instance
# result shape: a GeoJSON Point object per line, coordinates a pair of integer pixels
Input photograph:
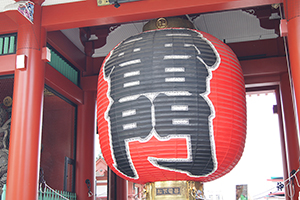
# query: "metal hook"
{"type": "Point", "coordinates": [90, 194]}
{"type": "Point", "coordinates": [41, 187]}
{"type": "Point", "coordinates": [88, 184]}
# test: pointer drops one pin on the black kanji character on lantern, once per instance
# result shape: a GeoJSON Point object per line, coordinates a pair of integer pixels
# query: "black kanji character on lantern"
{"type": "Point", "coordinates": [158, 82]}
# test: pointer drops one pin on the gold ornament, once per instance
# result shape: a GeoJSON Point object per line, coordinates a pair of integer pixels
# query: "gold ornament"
{"type": "Point", "coordinates": [161, 23]}
{"type": "Point", "coordinates": [7, 101]}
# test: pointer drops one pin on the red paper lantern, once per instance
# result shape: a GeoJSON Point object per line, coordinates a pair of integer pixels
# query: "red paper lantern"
{"type": "Point", "coordinates": [171, 106]}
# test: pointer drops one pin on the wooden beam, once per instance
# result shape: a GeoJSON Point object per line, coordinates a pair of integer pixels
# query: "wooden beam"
{"type": "Point", "coordinates": [262, 81]}
{"type": "Point", "coordinates": [264, 66]}
{"type": "Point", "coordinates": [259, 48]}
{"type": "Point", "coordinates": [62, 85]}
{"type": "Point", "coordinates": [263, 72]}
{"type": "Point", "coordinates": [8, 64]}
{"type": "Point", "coordinates": [87, 13]}
{"type": "Point", "coordinates": [67, 49]}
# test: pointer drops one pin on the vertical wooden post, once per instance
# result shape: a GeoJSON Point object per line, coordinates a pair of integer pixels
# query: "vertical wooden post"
{"type": "Point", "coordinates": [282, 140]}
{"type": "Point", "coordinates": [25, 136]}
{"type": "Point", "coordinates": [85, 156]}
{"type": "Point", "coordinates": [111, 185]}
{"type": "Point", "coordinates": [292, 13]}
{"type": "Point", "coordinates": [122, 193]}
{"type": "Point", "coordinates": [291, 136]}
{"type": "Point", "coordinates": [117, 187]}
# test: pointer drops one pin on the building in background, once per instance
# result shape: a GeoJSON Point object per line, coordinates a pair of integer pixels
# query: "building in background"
{"type": "Point", "coordinates": [135, 191]}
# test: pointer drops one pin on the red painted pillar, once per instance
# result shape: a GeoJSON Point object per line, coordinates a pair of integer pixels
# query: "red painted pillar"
{"type": "Point", "coordinates": [291, 136]}
{"type": "Point", "coordinates": [282, 140]}
{"type": "Point", "coordinates": [292, 13]}
{"type": "Point", "coordinates": [117, 187]}
{"type": "Point", "coordinates": [112, 188]}
{"type": "Point", "coordinates": [85, 156]}
{"type": "Point", "coordinates": [25, 138]}
{"type": "Point", "coordinates": [122, 190]}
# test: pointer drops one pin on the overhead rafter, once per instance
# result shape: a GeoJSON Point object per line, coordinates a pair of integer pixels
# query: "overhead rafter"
{"type": "Point", "coordinates": [87, 13]}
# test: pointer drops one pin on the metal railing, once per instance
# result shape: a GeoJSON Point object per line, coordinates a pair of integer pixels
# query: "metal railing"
{"type": "Point", "coordinates": [48, 194]}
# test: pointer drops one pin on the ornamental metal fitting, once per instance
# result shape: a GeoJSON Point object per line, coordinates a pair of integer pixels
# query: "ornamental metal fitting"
{"type": "Point", "coordinates": [168, 22]}
{"type": "Point", "coordinates": [175, 190]}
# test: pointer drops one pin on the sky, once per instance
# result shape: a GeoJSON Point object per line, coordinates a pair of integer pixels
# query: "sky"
{"type": "Point", "coordinates": [261, 158]}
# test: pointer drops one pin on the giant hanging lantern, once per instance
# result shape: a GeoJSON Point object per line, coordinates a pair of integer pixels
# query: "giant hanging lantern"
{"type": "Point", "coordinates": [171, 107]}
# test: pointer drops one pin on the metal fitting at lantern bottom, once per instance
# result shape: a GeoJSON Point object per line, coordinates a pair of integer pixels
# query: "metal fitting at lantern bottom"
{"type": "Point", "coordinates": [175, 190]}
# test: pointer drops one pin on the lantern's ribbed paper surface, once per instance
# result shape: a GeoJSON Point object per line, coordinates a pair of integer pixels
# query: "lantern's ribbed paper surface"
{"type": "Point", "coordinates": [171, 106]}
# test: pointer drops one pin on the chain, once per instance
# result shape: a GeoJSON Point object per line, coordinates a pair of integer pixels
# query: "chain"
{"type": "Point", "coordinates": [43, 191]}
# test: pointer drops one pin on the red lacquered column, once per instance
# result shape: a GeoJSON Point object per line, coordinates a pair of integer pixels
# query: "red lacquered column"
{"type": "Point", "coordinates": [117, 187]}
{"type": "Point", "coordinates": [122, 193]}
{"type": "Point", "coordinates": [291, 137]}
{"type": "Point", "coordinates": [25, 136]}
{"type": "Point", "coordinates": [282, 140]}
{"type": "Point", "coordinates": [85, 156]}
{"type": "Point", "coordinates": [292, 13]}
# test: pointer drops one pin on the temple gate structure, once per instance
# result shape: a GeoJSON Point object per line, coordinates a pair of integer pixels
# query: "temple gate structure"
{"type": "Point", "coordinates": [51, 52]}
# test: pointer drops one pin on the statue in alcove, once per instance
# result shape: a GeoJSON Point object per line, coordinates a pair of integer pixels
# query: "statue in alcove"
{"type": "Point", "coordinates": [5, 119]}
